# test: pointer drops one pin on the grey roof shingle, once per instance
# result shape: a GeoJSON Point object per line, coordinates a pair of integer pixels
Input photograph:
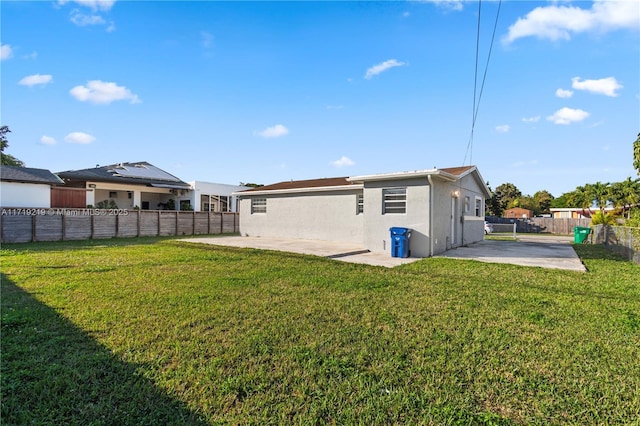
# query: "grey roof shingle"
{"type": "Point", "coordinates": [140, 173]}
{"type": "Point", "coordinates": [29, 175]}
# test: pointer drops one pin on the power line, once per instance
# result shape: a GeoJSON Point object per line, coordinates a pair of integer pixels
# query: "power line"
{"type": "Point", "coordinates": [476, 105]}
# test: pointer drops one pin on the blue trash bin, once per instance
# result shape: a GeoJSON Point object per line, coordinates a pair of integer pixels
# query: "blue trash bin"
{"type": "Point", "coordinates": [400, 241]}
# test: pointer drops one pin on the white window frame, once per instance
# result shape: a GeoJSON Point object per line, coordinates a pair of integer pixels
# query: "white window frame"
{"type": "Point", "coordinates": [258, 205]}
{"type": "Point", "coordinates": [467, 204]}
{"type": "Point", "coordinates": [479, 207]}
{"type": "Point", "coordinates": [394, 200]}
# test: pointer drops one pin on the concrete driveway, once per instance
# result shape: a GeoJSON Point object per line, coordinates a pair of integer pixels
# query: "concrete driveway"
{"type": "Point", "coordinates": [554, 252]}
{"type": "Point", "coordinates": [542, 251]}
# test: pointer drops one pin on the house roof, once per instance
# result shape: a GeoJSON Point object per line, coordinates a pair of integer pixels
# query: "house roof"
{"type": "Point", "coordinates": [29, 175]}
{"type": "Point", "coordinates": [299, 184]}
{"type": "Point", "coordinates": [140, 173]}
{"type": "Point", "coordinates": [451, 174]}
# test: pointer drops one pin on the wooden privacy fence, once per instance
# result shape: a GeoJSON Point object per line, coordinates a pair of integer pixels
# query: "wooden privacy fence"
{"type": "Point", "coordinates": [547, 225]}
{"type": "Point", "coordinates": [559, 225]}
{"type": "Point", "coordinates": [25, 225]}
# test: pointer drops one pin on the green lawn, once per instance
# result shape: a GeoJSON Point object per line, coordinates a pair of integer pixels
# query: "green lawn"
{"type": "Point", "coordinates": [156, 331]}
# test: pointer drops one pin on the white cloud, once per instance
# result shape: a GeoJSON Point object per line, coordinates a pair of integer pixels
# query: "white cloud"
{"type": "Point", "coordinates": [560, 22]}
{"type": "Point", "coordinates": [32, 55]}
{"type": "Point", "coordinates": [504, 128]}
{"type": "Point", "coordinates": [343, 161]}
{"type": "Point", "coordinates": [531, 119]}
{"type": "Point", "coordinates": [604, 86]}
{"type": "Point", "coordinates": [103, 92]}
{"type": "Point", "coordinates": [568, 115]}
{"type": "Point", "coordinates": [36, 79]}
{"type": "Point", "coordinates": [47, 140]}
{"type": "Point", "coordinates": [382, 67]}
{"type": "Point", "coordinates": [5, 51]}
{"type": "Point", "coordinates": [563, 93]}
{"type": "Point", "coordinates": [446, 4]}
{"type": "Point", "coordinates": [82, 20]}
{"type": "Point", "coordinates": [273, 132]}
{"type": "Point", "coordinates": [80, 138]}
{"type": "Point", "coordinates": [94, 5]}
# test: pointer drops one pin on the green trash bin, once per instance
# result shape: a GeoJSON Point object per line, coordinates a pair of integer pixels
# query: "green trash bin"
{"type": "Point", "coordinates": [580, 234]}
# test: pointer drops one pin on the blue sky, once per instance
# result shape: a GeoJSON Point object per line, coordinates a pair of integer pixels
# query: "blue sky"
{"type": "Point", "coordinates": [263, 92]}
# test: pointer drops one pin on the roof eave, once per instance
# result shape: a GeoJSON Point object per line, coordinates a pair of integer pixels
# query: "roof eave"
{"type": "Point", "coordinates": [297, 190]}
{"type": "Point", "coordinates": [405, 175]}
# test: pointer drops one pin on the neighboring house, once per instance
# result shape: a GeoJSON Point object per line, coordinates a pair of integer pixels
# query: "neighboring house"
{"type": "Point", "coordinates": [575, 212]}
{"type": "Point", "coordinates": [444, 208]}
{"type": "Point", "coordinates": [214, 197]}
{"type": "Point", "coordinates": [131, 185]}
{"type": "Point", "coordinates": [26, 187]}
{"type": "Point", "coordinates": [517, 213]}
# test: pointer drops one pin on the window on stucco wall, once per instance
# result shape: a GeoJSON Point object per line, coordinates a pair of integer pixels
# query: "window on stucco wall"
{"type": "Point", "coordinates": [479, 212]}
{"type": "Point", "coordinates": [258, 205]}
{"type": "Point", "coordinates": [360, 204]}
{"type": "Point", "coordinates": [394, 200]}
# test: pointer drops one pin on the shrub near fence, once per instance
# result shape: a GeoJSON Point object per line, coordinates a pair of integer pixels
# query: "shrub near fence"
{"type": "Point", "coordinates": [26, 225]}
{"type": "Point", "coordinates": [622, 240]}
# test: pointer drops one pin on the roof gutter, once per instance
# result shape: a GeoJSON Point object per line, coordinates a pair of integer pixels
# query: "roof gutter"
{"type": "Point", "coordinates": [406, 175]}
{"type": "Point", "coordinates": [251, 192]}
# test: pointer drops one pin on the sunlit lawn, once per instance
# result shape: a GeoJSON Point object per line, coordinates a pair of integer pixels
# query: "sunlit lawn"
{"type": "Point", "coordinates": [156, 331]}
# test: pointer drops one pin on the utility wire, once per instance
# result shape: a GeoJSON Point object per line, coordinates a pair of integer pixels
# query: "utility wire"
{"type": "Point", "coordinates": [476, 105]}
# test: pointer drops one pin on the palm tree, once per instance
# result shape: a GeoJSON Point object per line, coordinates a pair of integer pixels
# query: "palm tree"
{"type": "Point", "coordinates": [599, 194]}
{"type": "Point", "coordinates": [579, 198]}
{"type": "Point", "coordinates": [626, 194]}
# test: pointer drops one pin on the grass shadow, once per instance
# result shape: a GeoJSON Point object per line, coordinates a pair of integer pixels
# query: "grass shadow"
{"type": "Point", "coordinates": [52, 372]}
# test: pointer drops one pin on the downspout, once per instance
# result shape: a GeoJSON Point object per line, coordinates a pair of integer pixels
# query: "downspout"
{"type": "Point", "coordinates": [430, 215]}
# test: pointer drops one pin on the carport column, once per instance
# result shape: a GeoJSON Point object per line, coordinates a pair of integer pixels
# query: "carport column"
{"type": "Point", "coordinates": [137, 199]}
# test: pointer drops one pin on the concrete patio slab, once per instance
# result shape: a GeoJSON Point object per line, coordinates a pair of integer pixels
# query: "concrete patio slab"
{"type": "Point", "coordinates": [332, 249]}
{"type": "Point", "coordinates": [540, 251]}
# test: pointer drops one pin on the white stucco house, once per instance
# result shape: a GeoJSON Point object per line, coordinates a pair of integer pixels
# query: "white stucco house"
{"type": "Point", "coordinates": [214, 197]}
{"type": "Point", "coordinates": [26, 187]}
{"type": "Point", "coordinates": [444, 208]}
